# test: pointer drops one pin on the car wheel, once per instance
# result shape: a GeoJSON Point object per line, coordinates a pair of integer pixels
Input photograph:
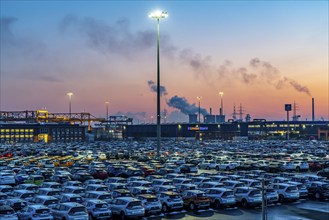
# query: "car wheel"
{"type": "Point", "coordinates": [164, 208]}
{"type": "Point", "coordinates": [217, 168]}
{"type": "Point", "coordinates": [281, 198]}
{"type": "Point", "coordinates": [122, 216]}
{"type": "Point", "coordinates": [317, 195]}
{"type": "Point", "coordinates": [244, 203]}
{"type": "Point", "coordinates": [217, 204]}
{"type": "Point", "coordinates": [192, 206]}
{"type": "Point", "coordinates": [227, 169]}
{"type": "Point", "coordinates": [298, 169]}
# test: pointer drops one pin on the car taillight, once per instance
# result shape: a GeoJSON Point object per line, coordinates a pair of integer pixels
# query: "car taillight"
{"type": "Point", "coordinates": [35, 215]}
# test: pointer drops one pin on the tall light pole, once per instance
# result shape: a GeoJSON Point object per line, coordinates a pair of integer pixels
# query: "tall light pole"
{"type": "Point", "coordinates": [221, 103]}
{"type": "Point", "coordinates": [199, 98]}
{"type": "Point", "coordinates": [70, 102]}
{"type": "Point", "coordinates": [107, 110]}
{"type": "Point", "coordinates": [158, 15]}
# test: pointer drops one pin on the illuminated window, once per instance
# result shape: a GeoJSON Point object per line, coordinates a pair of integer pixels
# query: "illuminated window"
{"type": "Point", "coordinates": [31, 130]}
{"type": "Point", "coordinates": [7, 130]}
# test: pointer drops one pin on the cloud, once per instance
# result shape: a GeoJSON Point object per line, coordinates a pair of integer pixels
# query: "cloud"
{"type": "Point", "coordinates": [153, 87]}
{"type": "Point", "coordinates": [117, 38]}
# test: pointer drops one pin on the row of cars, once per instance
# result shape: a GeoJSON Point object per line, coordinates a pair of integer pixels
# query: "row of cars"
{"type": "Point", "coordinates": [94, 186]}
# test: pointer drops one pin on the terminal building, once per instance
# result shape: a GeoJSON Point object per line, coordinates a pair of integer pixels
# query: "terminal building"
{"type": "Point", "coordinates": [257, 129]}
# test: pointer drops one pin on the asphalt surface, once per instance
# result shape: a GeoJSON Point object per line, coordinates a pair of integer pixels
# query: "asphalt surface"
{"type": "Point", "coordinates": [302, 210]}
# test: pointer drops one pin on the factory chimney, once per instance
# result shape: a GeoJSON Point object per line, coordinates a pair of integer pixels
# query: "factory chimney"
{"type": "Point", "coordinates": [313, 109]}
{"type": "Point", "coordinates": [210, 111]}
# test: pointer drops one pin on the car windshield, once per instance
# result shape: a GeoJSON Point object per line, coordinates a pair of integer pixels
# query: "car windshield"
{"type": "Point", "coordinates": [7, 212]}
{"type": "Point", "coordinates": [104, 197]}
{"type": "Point", "coordinates": [135, 203]}
{"type": "Point", "coordinates": [291, 189]}
{"type": "Point", "coordinates": [54, 193]}
{"type": "Point", "coordinates": [325, 186]}
{"type": "Point", "coordinates": [27, 195]}
{"type": "Point", "coordinates": [227, 194]}
{"type": "Point", "coordinates": [174, 196]}
{"type": "Point", "coordinates": [42, 211]}
{"type": "Point", "coordinates": [152, 200]}
{"type": "Point", "coordinates": [102, 189]}
{"type": "Point", "coordinates": [78, 209]}
{"type": "Point", "coordinates": [76, 199]}
{"type": "Point", "coordinates": [201, 195]}
{"type": "Point", "coordinates": [49, 202]}
{"type": "Point", "coordinates": [102, 205]}
{"type": "Point", "coordinates": [255, 193]}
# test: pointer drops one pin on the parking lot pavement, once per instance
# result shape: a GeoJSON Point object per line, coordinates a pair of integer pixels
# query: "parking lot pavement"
{"type": "Point", "coordinates": [308, 210]}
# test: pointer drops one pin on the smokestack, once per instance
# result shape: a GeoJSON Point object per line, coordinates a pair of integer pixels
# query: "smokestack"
{"type": "Point", "coordinates": [210, 111]}
{"type": "Point", "coordinates": [313, 109]}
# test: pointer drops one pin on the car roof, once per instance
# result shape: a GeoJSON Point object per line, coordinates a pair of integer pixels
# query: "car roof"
{"type": "Point", "coordinates": [147, 196]}
{"type": "Point", "coordinates": [128, 199]}
{"type": "Point", "coordinates": [170, 193]}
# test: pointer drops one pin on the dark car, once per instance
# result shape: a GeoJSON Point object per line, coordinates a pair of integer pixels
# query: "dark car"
{"type": "Point", "coordinates": [324, 173]}
{"type": "Point", "coordinates": [99, 173]}
{"type": "Point", "coordinates": [318, 190]}
{"type": "Point", "coordinates": [82, 177]}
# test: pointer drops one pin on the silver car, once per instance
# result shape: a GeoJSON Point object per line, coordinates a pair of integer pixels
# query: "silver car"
{"type": "Point", "coordinates": [127, 207]}
{"type": "Point", "coordinates": [70, 211]}
{"type": "Point", "coordinates": [35, 212]}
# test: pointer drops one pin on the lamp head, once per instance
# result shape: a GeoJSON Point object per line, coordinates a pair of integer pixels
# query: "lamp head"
{"type": "Point", "coordinates": [158, 14]}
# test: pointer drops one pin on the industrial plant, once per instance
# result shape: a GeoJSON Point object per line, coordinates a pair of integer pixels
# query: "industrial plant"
{"type": "Point", "coordinates": [42, 126]}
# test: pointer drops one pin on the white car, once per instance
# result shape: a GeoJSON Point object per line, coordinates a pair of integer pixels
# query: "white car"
{"type": "Point", "coordinates": [70, 211]}
{"type": "Point", "coordinates": [127, 207]}
{"type": "Point", "coordinates": [35, 212]}
{"type": "Point", "coordinates": [7, 179]}
{"type": "Point", "coordinates": [98, 209]}
{"type": "Point", "coordinates": [151, 204]}
{"type": "Point", "coordinates": [171, 201]}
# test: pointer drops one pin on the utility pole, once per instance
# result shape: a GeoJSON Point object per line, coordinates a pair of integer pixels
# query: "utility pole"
{"type": "Point", "coordinates": [264, 216]}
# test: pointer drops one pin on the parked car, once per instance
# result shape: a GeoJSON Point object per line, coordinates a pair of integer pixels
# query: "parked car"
{"type": "Point", "coordinates": [35, 212]}
{"type": "Point", "coordinates": [49, 201]}
{"type": "Point", "coordinates": [221, 197]}
{"type": "Point", "coordinates": [127, 207]}
{"type": "Point", "coordinates": [7, 213]}
{"type": "Point", "coordinates": [70, 211]}
{"type": "Point", "coordinates": [286, 192]}
{"type": "Point", "coordinates": [171, 201]}
{"type": "Point", "coordinates": [247, 196]}
{"type": "Point", "coordinates": [195, 199]}
{"type": "Point", "coordinates": [98, 209]}
{"type": "Point", "coordinates": [324, 173]}
{"type": "Point", "coordinates": [318, 190]}
{"type": "Point", "coordinates": [151, 204]}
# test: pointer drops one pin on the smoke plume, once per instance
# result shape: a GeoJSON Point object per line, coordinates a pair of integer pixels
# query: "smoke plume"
{"type": "Point", "coordinates": [136, 116]}
{"type": "Point", "coordinates": [153, 87]}
{"type": "Point", "coordinates": [182, 104]}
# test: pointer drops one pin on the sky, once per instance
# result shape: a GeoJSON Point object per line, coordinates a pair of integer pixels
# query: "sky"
{"type": "Point", "coordinates": [260, 54]}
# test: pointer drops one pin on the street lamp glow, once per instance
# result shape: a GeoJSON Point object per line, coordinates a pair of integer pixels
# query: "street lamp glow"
{"type": "Point", "coordinates": [158, 15]}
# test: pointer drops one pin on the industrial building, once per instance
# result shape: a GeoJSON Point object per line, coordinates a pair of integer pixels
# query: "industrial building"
{"type": "Point", "coordinates": [257, 129]}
